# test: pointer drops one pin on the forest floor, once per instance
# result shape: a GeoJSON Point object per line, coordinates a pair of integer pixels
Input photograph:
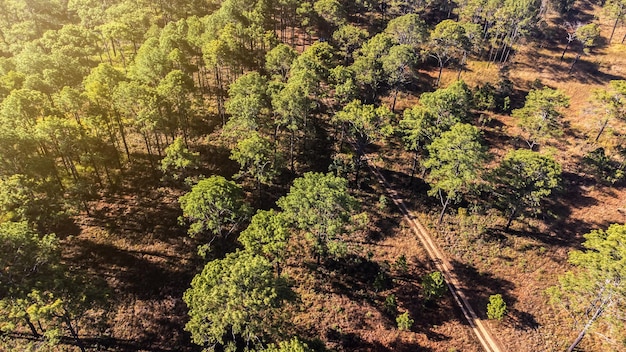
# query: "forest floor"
{"type": "Point", "coordinates": [135, 244]}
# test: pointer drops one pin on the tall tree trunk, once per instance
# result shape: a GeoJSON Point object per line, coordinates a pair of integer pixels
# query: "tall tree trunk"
{"type": "Point", "coordinates": [439, 76]}
{"type": "Point", "coordinates": [395, 98]}
{"type": "Point", "coordinates": [120, 126]}
{"type": "Point", "coordinates": [31, 326]}
{"type": "Point", "coordinates": [564, 50]}
{"type": "Point", "coordinates": [291, 147]}
{"type": "Point", "coordinates": [68, 323]}
{"type": "Point", "coordinates": [511, 217]}
{"type": "Point", "coordinates": [582, 333]}
{"type": "Point", "coordinates": [614, 27]}
{"type": "Point", "coordinates": [606, 122]}
{"type": "Point", "coordinates": [445, 207]}
{"type": "Point", "coordinates": [573, 63]}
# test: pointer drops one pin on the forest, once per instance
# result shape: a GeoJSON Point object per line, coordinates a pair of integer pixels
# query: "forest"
{"type": "Point", "coordinates": [311, 176]}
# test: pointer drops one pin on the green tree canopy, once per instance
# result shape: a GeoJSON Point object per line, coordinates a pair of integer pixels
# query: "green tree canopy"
{"type": "Point", "coordinates": [178, 159]}
{"type": "Point", "coordinates": [320, 205]}
{"type": "Point", "coordinates": [524, 179]}
{"type": "Point", "coordinates": [267, 235]}
{"type": "Point", "coordinates": [539, 118]}
{"type": "Point", "coordinates": [455, 161]}
{"type": "Point", "coordinates": [595, 292]}
{"type": "Point", "coordinates": [215, 206]}
{"type": "Point", "coordinates": [234, 300]}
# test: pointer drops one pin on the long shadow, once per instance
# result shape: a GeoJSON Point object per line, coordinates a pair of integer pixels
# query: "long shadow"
{"type": "Point", "coordinates": [353, 342]}
{"type": "Point", "coordinates": [131, 271]}
{"type": "Point", "coordinates": [480, 285]}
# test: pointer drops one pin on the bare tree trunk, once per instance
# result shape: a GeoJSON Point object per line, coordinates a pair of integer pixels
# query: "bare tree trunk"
{"type": "Point", "coordinates": [445, 207]}
{"type": "Point", "coordinates": [582, 333]}
{"type": "Point", "coordinates": [564, 50]}
{"type": "Point", "coordinates": [614, 27]}
{"type": "Point", "coordinates": [511, 217]}
{"type": "Point", "coordinates": [574, 63]}
{"type": "Point", "coordinates": [606, 122]}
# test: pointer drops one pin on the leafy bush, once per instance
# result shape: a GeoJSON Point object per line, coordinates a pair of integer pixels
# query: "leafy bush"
{"type": "Point", "coordinates": [401, 264]}
{"type": "Point", "coordinates": [496, 308]}
{"type": "Point", "coordinates": [604, 168]}
{"type": "Point", "coordinates": [404, 321]}
{"type": "Point", "coordinates": [391, 305]}
{"type": "Point", "coordinates": [433, 285]}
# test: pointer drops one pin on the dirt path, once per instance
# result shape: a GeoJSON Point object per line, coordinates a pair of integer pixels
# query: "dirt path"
{"type": "Point", "coordinates": [489, 343]}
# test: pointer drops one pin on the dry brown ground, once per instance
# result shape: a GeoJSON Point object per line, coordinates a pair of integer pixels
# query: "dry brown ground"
{"type": "Point", "coordinates": [135, 245]}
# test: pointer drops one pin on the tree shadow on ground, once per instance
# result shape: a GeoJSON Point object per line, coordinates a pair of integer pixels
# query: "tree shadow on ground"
{"type": "Point", "coordinates": [353, 342]}
{"type": "Point", "coordinates": [478, 286]}
{"type": "Point", "coordinates": [144, 275]}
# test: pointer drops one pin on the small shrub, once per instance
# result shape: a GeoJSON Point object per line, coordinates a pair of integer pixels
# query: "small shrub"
{"type": "Point", "coordinates": [401, 264]}
{"type": "Point", "coordinates": [391, 305]}
{"type": "Point", "coordinates": [433, 286]}
{"type": "Point", "coordinates": [404, 321]}
{"type": "Point", "coordinates": [383, 202]}
{"type": "Point", "coordinates": [380, 281]}
{"type": "Point", "coordinates": [496, 308]}
{"type": "Point", "coordinates": [485, 97]}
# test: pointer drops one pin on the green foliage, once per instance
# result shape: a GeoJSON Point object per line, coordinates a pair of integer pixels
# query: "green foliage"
{"type": "Point", "coordinates": [447, 41]}
{"type": "Point", "coordinates": [255, 156]}
{"type": "Point", "coordinates": [23, 256]}
{"type": "Point", "coordinates": [267, 235]}
{"type": "Point", "coordinates": [485, 97]}
{"type": "Point", "coordinates": [293, 345]}
{"type": "Point", "coordinates": [320, 205]}
{"type": "Point", "coordinates": [348, 38]}
{"type": "Point", "coordinates": [22, 199]}
{"type": "Point", "coordinates": [380, 281]}
{"type": "Point", "coordinates": [496, 308]}
{"type": "Point", "coordinates": [368, 62]}
{"type": "Point", "coordinates": [401, 264]}
{"type": "Point", "coordinates": [178, 159]}
{"type": "Point", "coordinates": [433, 286]}
{"type": "Point", "coordinates": [438, 112]}
{"type": "Point", "coordinates": [524, 179]}
{"type": "Point", "coordinates": [408, 29]}
{"type": "Point", "coordinates": [330, 10]}
{"type": "Point", "coordinates": [215, 205]}
{"type": "Point", "coordinates": [391, 305]}
{"type": "Point", "coordinates": [398, 65]}
{"type": "Point", "coordinates": [404, 321]}
{"type": "Point", "coordinates": [588, 35]}
{"type": "Point", "coordinates": [233, 299]}
{"type": "Point", "coordinates": [279, 60]}
{"type": "Point", "coordinates": [539, 118]}
{"type": "Point", "coordinates": [455, 161]}
{"type": "Point", "coordinates": [595, 291]}
{"type": "Point", "coordinates": [604, 168]}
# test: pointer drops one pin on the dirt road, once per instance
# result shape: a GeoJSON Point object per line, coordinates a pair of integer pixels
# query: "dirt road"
{"type": "Point", "coordinates": [485, 336]}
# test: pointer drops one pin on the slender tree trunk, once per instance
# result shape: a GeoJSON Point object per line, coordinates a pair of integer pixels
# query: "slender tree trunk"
{"type": "Point", "coordinates": [32, 327]}
{"type": "Point", "coordinates": [395, 98]}
{"type": "Point", "coordinates": [564, 50]}
{"type": "Point", "coordinates": [511, 217]}
{"type": "Point", "coordinates": [291, 147]}
{"type": "Point", "coordinates": [439, 76]}
{"type": "Point", "coordinates": [574, 63]}
{"type": "Point", "coordinates": [413, 167]}
{"type": "Point", "coordinates": [120, 126]}
{"type": "Point", "coordinates": [73, 332]}
{"type": "Point", "coordinates": [606, 122]}
{"type": "Point", "coordinates": [582, 333]}
{"type": "Point", "coordinates": [614, 27]}
{"type": "Point", "coordinates": [445, 207]}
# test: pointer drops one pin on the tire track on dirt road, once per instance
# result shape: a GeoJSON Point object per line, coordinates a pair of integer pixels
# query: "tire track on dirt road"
{"type": "Point", "coordinates": [482, 332]}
